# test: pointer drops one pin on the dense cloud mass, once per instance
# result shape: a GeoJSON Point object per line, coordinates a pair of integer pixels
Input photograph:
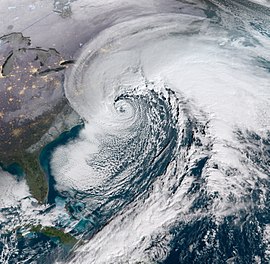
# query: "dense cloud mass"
{"type": "Point", "coordinates": [172, 163]}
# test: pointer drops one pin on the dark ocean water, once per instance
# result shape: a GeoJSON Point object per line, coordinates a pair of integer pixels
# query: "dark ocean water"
{"type": "Point", "coordinates": [164, 196]}
{"type": "Point", "coordinates": [14, 169]}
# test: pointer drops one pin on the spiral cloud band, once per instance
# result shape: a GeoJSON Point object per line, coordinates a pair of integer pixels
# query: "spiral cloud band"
{"type": "Point", "coordinates": [175, 109]}
{"type": "Point", "coordinates": [170, 159]}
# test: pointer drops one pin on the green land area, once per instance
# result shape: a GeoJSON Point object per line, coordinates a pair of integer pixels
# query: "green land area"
{"type": "Point", "coordinates": [52, 232]}
{"type": "Point", "coordinates": [27, 165]}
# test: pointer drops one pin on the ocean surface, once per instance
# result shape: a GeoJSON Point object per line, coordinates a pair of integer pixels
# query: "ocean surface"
{"type": "Point", "coordinates": [172, 162]}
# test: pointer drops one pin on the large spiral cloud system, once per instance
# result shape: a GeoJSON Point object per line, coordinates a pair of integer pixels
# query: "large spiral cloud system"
{"type": "Point", "coordinates": [173, 161]}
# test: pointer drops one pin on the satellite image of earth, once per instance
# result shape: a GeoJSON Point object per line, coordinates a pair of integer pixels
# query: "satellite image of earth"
{"type": "Point", "coordinates": [135, 131]}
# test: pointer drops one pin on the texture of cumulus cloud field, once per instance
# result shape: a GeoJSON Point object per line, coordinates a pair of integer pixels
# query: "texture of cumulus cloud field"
{"type": "Point", "coordinates": [172, 164]}
{"type": "Point", "coordinates": [217, 82]}
{"type": "Point", "coordinates": [213, 75]}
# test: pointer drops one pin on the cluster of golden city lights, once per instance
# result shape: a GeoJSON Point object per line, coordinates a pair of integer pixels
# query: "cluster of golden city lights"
{"type": "Point", "coordinates": [15, 85]}
{"type": "Point", "coordinates": [26, 85]}
{"type": "Point", "coordinates": [17, 132]}
{"type": "Point", "coordinates": [30, 72]}
{"type": "Point", "coordinates": [11, 100]}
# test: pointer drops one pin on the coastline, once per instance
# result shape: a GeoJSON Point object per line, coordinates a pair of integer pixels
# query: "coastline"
{"type": "Point", "coordinates": [46, 155]}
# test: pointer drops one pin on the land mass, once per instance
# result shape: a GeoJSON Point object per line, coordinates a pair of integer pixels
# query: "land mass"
{"type": "Point", "coordinates": [33, 107]}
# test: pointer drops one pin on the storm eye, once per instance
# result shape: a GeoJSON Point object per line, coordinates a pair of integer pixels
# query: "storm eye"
{"type": "Point", "coordinates": [121, 109]}
{"type": "Point", "coordinates": [168, 161]}
{"type": "Point", "coordinates": [120, 106]}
